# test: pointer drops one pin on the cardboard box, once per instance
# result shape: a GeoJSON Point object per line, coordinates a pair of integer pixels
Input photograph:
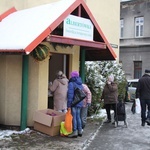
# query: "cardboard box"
{"type": "Point", "coordinates": [46, 122]}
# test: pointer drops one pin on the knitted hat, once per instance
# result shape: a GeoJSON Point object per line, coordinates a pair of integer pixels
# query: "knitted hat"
{"type": "Point", "coordinates": [59, 74]}
{"type": "Point", "coordinates": [111, 78]}
{"type": "Point", "coordinates": [147, 71]}
{"type": "Point", "coordinates": [74, 74]}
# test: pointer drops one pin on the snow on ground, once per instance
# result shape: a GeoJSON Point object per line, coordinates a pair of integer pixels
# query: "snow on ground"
{"type": "Point", "coordinates": [100, 114]}
{"type": "Point", "coordinates": [6, 134]}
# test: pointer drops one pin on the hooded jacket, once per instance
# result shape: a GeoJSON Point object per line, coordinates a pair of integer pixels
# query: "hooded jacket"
{"type": "Point", "coordinates": [88, 97]}
{"type": "Point", "coordinates": [59, 89]}
{"type": "Point", "coordinates": [73, 83]}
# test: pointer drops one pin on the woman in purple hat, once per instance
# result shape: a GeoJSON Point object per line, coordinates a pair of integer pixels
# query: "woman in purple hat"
{"type": "Point", "coordinates": [75, 82]}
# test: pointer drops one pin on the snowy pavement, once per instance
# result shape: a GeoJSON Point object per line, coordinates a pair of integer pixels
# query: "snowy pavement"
{"type": "Point", "coordinates": [134, 137]}
{"type": "Point", "coordinates": [96, 136]}
{"type": "Point", "coordinates": [30, 139]}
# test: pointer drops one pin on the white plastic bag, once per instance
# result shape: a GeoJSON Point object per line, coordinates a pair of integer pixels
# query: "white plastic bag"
{"type": "Point", "coordinates": [137, 106]}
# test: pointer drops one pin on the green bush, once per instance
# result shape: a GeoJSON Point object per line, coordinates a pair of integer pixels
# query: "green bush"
{"type": "Point", "coordinates": [96, 74]}
{"type": "Point", "coordinates": [122, 90]}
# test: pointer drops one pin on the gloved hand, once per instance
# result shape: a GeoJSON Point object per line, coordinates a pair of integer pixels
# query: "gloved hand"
{"type": "Point", "coordinates": [88, 104]}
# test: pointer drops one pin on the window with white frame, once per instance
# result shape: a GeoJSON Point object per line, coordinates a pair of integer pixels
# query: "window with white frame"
{"type": "Point", "coordinates": [121, 28]}
{"type": "Point", "coordinates": [139, 26]}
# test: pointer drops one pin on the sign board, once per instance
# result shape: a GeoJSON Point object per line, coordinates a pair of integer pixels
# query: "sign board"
{"type": "Point", "coordinates": [77, 27]}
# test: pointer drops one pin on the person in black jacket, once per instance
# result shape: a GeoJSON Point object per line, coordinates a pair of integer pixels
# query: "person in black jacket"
{"type": "Point", "coordinates": [143, 93]}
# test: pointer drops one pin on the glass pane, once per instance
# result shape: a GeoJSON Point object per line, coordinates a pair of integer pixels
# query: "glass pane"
{"type": "Point", "coordinates": [137, 69]}
{"type": "Point", "coordinates": [136, 20]}
{"type": "Point", "coordinates": [121, 32]}
{"type": "Point", "coordinates": [141, 30]}
{"type": "Point", "coordinates": [137, 31]}
{"type": "Point", "coordinates": [121, 23]}
{"type": "Point", "coordinates": [141, 20]}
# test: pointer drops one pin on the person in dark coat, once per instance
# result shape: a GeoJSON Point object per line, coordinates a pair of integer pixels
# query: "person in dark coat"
{"type": "Point", "coordinates": [143, 93]}
{"type": "Point", "coordinates": [110, 96]}
{"type": "Point", "coordinates": [75, 82]}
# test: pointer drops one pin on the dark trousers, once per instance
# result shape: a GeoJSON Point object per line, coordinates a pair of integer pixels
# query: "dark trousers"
{"type": "Point", "coordinates": [108, 107]}
{"type": "Point", "coordinates": [144, 104]}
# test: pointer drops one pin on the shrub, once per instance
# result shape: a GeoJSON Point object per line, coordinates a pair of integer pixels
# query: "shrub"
{"type": "Point", "coordinates": [96, 74]}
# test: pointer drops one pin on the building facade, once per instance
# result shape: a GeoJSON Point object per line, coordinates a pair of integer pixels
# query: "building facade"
{"type": "Point", "coordinates": [66, 59]}
{"type": "Point", "coordinates": [106, 13]}
{"type": "Point", "coordinates": [135, 37]}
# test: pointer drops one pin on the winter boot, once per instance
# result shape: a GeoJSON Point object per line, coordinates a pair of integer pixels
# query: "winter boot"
{"type": "Point", "coordinates": [74, 134]}
{"type": "Point", "coordinates": [107, 121]}
{"type": "Point", "coordinates": [80, 133]}
{"type": "Point", "coordinates": [143, 123]}
{"type": "Point", "coordinates": [147, 120]}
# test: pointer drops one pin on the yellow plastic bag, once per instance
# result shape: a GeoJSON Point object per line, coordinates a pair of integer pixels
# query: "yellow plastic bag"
{"type": "Point", "coordinates": [63, 131]}
{"type": "Point", "coordinates": [68, 121]}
